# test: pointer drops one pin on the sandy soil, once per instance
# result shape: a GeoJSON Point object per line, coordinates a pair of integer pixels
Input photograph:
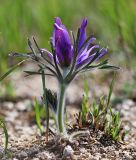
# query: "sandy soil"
{"type": "Point", "coordinates": [26, 142]}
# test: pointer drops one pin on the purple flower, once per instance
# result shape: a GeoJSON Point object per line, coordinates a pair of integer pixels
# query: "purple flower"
{"type": "Point", "coordinates": [61, 42]}
{"type": "Point", "coordinates": [66, 60]}
{"type": "Point", "coordinates": [64, 49]}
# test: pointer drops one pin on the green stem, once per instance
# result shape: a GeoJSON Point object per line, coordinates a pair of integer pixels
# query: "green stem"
{"type": "Point", "coordinates": [61, 109]}
{"type": "Point", "coordinates": [46, 104]}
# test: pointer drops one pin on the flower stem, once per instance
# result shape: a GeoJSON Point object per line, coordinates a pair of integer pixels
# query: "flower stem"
{"type": "Point", "coordinates": [45, 104]}
{"type": "Point", "coordinates": [61, 110]}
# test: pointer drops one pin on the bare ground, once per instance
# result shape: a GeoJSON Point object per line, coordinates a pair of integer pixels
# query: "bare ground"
{"type": "Point", "coordinates": [25, 141]}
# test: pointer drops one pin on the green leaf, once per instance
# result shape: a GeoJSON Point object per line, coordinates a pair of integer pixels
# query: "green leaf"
{"type": "Point", "coordinates": [11, 70]}
{"type": "Point", "coordinates": [2, 125]}
{"type": "Point", "coordinates": [86, 88]}
{"type": "Point", "coordinates": [111, 112]}
{"type": "Point", "coordinates": [117, 118]}
{"type": "Point", "coordinates": [98, 65]}
{"type": "Point", "coordinates": [85, 102]}
{"type": "Point", "coordinates": [109, 67]}
{"type": "Point", "coordinates": [95, 110]}
{"type": "Point", "coordinates": [115, 133]}
{"type": "Point", "coordinates": [110, 90]}
{"type": "Point", "coordinates": [101, 103]}
{"type": "Point", "coordinates": [37, 114]}
{"type": "Point", "coordinates": [26, 55]}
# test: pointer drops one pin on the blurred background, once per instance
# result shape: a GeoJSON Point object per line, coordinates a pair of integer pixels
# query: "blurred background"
{"type": "Point", "coordinates": [113, 22]}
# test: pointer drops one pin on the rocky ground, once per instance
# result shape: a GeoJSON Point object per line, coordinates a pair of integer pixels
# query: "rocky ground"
{"type": "Point", "coordinates": [26, 143]}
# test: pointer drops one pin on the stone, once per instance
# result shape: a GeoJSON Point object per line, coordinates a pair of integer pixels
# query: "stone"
{"type": "Point", "coordinates": [68, 151]}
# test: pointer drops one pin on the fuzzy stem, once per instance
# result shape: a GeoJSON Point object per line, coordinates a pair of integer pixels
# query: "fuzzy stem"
{"type": "Point", "coordinates": [61, 109]}
{"type": "Point", "coordinates": [45, 104]}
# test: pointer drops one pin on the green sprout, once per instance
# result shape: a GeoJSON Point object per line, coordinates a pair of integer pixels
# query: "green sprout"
{"type": "Point", "coordinates": [3, 126]}
{"type": "Point", "coordinates": [85, 103]}
{"type": "Point", "coordinates": [100, 116]}
{"type": "Point", "coordinates": [113, 128]}
{"type": "Point", "coordinates": [38, 115]}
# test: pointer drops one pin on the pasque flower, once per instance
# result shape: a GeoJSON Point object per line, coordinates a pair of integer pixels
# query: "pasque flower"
{"type": "Point", "coordinates": [65, 50]}
{"type": "Point", "coordinates": [71, 58]}
{"type": "Point", "coordinates": [68, 57]}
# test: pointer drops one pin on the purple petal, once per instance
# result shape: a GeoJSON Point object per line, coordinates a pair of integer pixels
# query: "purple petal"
{"type": "Point", "coordinates": [86, 53]}
{"type": "Point", "coordinates": [103, 51]}
{"type": "Point", "coordinates": [57, 20]}
{"type": "Point", "coordinates": [85, 48]}
{"type": "Point", "coordinates": [49, 54]}
{"type": "Point", "coordinates": [43, 50]}
{"type": "Point", "coordinates": [61, 32]}
{"type": "Point", "coordinates": [90, 42]}
{"type": "Point", "coordinates": [63, 45]}
{"type": "Point", "coordinates": [85, 61]}
{"type": "Point", "coordinates": [82, 33]}
{"type": "Point", "coordinates": [64, 53]}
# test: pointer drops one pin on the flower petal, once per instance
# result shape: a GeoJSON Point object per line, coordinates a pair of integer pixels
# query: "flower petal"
{"type": "Point", "coordinates": [82, 36]}
{"type": "Point", "coordinates": [43, 51]}
{"type": "Point", "coordinates": [62, 44]}
{"type": "Point", "coordinates": [85, 54]}
{"type": "Point", "coordinates": [85, 61]}
{"type": "Point", "coordinates": [64, 53]}
{"type": "Point", "coordinates": [61, 32]}
{"type": "Point", "coordinates": [103, 51]}
{"type": "Point", "coordinates": [85, 48]}
{"type": "Point", "coordinates": [57, 20]}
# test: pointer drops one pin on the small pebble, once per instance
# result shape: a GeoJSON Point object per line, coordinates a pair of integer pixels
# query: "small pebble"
{"type": "Point", "coordinates": [68, 151]}
{"type": "Point", "coordinates": [83, 150]}
{"type": "Point", "coordinates": [8, 105]}
{"type": "Point", "coordinates": [22, 155]}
